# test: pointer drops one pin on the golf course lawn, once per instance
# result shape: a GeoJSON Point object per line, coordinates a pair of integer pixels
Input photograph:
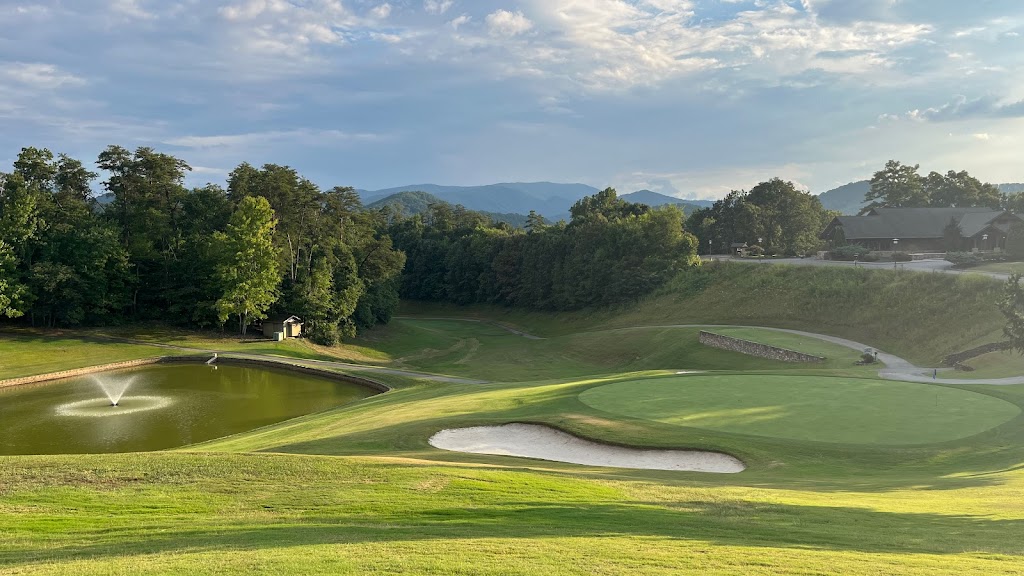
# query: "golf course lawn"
{"type": "Point", "coordinates": [856, 411]}
{"type": "Point", "coordinates": [358, 489]}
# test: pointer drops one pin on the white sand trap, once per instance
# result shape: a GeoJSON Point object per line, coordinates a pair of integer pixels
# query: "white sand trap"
{"type": "Point", "coordinates": [544, 443]}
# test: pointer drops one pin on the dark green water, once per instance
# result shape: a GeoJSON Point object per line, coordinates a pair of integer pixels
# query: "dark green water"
{"type": "Point", "coordinates": [164, 407]}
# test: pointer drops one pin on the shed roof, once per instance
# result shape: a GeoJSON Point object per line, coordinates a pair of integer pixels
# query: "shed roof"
{"type": "Point", "coordinates": [283, 319]}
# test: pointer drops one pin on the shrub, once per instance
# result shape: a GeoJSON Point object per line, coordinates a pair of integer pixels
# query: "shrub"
{"type": "Point", "coordinates": [755, 250]}
{"type": "Point", "coordinates": [324, 333]}
{"type": "Point", "coordinates": [849, 252]}
{"type": "Point", "coordinates": [867, 358]}
{"type": "Point", "coordinates": [902, 257]}
{"type": "Point", "coordinates": [964, 259]}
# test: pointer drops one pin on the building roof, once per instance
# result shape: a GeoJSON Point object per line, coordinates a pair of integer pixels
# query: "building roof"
{"type": "Point", "coordinates": [283, 319]}
{"type": "Point", "coordinates": [913, 223]}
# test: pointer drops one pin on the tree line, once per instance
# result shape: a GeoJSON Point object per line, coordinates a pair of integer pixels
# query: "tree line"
{"type": "Point", "coordinates": [274, 242]}
{"type": "Point", "coordinates": [773, 216]}
{"type": "Point", "coordinates": [609, 251]}
{"type": "Point", "coordinates": [899, 185]}
{"type": "Point", "coordinates": [271, 242]}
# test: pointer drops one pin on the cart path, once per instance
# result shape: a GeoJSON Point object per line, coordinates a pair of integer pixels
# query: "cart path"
{"type": "Point", "coordinates": [896, 368]}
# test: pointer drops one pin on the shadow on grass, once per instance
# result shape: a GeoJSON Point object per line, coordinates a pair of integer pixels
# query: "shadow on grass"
{"type": "Point", "coordinates": [726, 523]}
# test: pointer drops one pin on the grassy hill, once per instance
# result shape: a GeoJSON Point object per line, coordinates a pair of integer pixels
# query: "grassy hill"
{"type": "Point", "coordinates": [410, 203]}
{"type": "Point", "coordinates": [847, 199]}
{"type": "Point", "coordinates": [919, 316]}
{"type": "Point", "coordinates": [655, 199]}
{"type": "Point", "coordinates": [358, 489]}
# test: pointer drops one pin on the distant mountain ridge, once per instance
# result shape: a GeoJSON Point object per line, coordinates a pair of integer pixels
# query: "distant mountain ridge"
{"type": "Point", "coordinates": [654, 199]}
{"type": "Point", "coordinates": [412, 203]}
{"type": "Point", "coordinates": [849, 198]}
{"type": "Point", "coordinates": [549, 199]}
{"type": "Point", "coordinates": [546, 198]}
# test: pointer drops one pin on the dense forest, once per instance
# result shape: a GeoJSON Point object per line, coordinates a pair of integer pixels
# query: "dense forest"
{"type": "Point", "coordinates": [610, 250]}
{"type": "Point", "coordinates": [274, 242]}
{"type": "Point", "coordinates": [773, 216]}
{"type": "Point", "coordinates": [271, 242]}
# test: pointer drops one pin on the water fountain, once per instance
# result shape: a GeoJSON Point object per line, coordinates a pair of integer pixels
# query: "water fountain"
{"type": "Point", "coordinates": [114, 387]}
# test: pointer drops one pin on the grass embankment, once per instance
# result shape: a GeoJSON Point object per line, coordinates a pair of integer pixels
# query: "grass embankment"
{"type": "Point", "coordinates": [252, 344]}
{"type": "Point", "coordinates": [26, 353]}
{"type": "Point", "coordinates": [481, 350]}
{"type": "Point", "coordinates": [998, 267]}
{"type": "Point", "coordinates": [919, 316]}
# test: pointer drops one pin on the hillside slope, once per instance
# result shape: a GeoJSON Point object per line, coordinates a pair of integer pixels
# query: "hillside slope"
{"type": "Point", "coordinates": [412, 203]}
{"type": "Point", "coordinates": [922, 317]}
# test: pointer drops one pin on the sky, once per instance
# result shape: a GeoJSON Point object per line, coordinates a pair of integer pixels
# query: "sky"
{"type": "Point", "coordinates": [691, 98]}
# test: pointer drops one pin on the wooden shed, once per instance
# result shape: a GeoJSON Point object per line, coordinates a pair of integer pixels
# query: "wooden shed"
{"type": "Point", "coordinates": [288, 326]}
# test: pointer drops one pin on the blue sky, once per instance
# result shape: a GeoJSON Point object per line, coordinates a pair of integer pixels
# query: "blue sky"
{"type": "Point", "coordinates": [687, 97]}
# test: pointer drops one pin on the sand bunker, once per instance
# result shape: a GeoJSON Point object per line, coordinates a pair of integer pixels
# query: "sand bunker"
{"type": "Point", "coordinates": [544, 443]}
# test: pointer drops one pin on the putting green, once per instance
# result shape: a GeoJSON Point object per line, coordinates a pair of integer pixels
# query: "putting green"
{"type": "Point", "coordinates": [843, 410]}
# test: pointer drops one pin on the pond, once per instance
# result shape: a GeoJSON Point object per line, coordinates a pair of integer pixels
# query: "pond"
{"type": "Point", "coordinates": [162, 406]}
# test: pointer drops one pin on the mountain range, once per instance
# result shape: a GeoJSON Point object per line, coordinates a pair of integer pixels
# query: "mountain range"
{"type": "Point", "coordinates": [549, 199]}
{"type": "Point", "coordinates": [849, 198]}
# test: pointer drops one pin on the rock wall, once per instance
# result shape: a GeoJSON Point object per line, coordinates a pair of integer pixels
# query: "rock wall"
{"type": "Point", "coordinates": [959, 357]}
{"type": "Point", "coordinates": [76, 372]}
{"type": "Point", "coordinates": [755, 349]}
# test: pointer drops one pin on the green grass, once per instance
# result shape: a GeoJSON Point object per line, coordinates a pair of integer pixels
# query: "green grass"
{"type": "Point", "coordinates": [392, 504]}
{"type": "Point", "coordinates": [26, 352]}
{"type": "Point", "coordinates": [252, 344]}
{"type": "Point", "coordinates": [846, 410]}
{"type": "Point", "coordinates": [920, 316]}
{"type": "Point", "coordinates": [485, 351]}
{"type": "Point", "coordinates": [358, 489]}
{"type": "Point", "coordinates": [995, 365]}
{"type": "Point", "coordinates": [999, 267]}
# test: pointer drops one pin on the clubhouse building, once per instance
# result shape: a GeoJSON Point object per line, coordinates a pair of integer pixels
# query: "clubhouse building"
{"type": "Point", "coordinates": [922, 229]}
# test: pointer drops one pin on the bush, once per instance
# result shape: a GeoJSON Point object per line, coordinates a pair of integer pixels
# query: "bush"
{"type": "Point", "coordinates": [902, 257]}
{"type": "Point", "coordinates": [867, 358]}
{"type": "Point", "coordinates": [964, 259]}
{"type": "Point", "coordinates": [324, 333]}
{"type": "Point", "coordinates": [755, 250]}
{"type": "Point", "coordinates": [849, 252]}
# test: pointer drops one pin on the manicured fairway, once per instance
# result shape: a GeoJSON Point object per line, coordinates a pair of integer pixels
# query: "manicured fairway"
{"type": "Point", "coordinates": [847, 410]}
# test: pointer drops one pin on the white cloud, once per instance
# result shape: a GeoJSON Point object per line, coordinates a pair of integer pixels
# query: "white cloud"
{"type": "Point", "coordinates": [132, 9]}
{"type": "Point", "coordinates": [962, 107]}
{"type": "Point", "coordinates": [984, 136]}
{"type": "Point", "coordinates": [456, 23]}
{"type": "Point", "coordinates": [38, 75]}
{"type": "Point", "coordinates": [505, 23]}
{"type": "Point", "coordinates": [381, 12]}
{"type": "Point", "coordinates": [437, 6]}
{"type": "Point", "coordinates": [307, 137]}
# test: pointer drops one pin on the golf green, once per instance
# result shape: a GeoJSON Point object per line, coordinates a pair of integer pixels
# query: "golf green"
{"type": "Point", "coordinates": [842, 410]}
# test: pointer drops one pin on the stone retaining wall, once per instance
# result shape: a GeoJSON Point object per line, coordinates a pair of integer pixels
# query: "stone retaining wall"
{"type": "Point", "coordinates": [755, 349]}
{"type": "Point", "coordinates": [960, 357]}
{"type": "Point", "coordinates": [76, 372]}
{"type": "Point", "coordinates": [281, 365]}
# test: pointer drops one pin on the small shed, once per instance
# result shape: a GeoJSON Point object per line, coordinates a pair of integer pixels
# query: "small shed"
{"type": "Point", "coordinates": [739, 248]}
{"type": "Point", "coordinates": [288, 326]}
